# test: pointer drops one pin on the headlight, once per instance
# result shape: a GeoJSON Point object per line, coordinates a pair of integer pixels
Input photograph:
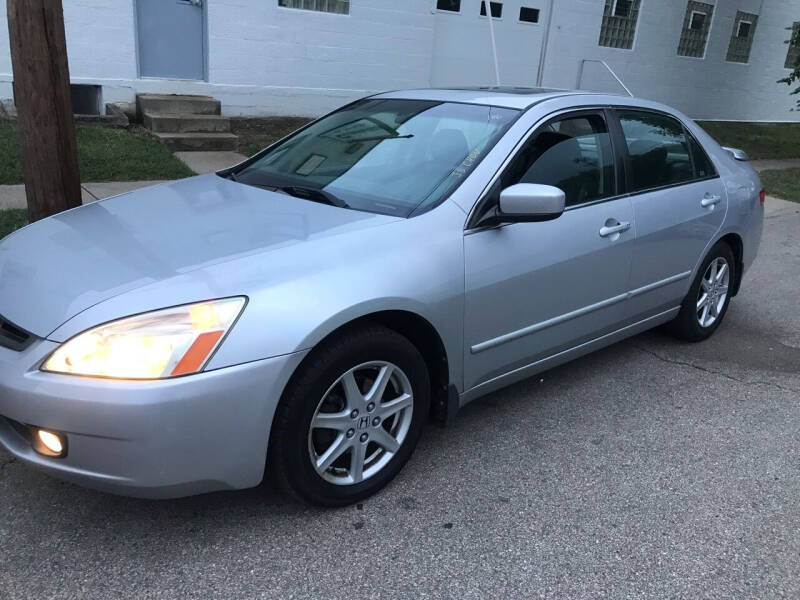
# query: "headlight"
{"type": "Point", "coordinates": [155, 345]}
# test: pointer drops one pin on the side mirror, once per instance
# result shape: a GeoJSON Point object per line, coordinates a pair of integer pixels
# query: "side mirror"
{"type": "Point", "coordinates": [526, 203]}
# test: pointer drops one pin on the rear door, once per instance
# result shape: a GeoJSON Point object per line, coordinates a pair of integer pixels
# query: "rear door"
{"type": "Point", "coordinates": [679, 204]}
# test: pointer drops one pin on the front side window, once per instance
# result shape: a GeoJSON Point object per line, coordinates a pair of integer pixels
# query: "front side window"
{"type": "Point", "coordinates": [573, 154]}
{"type": "Point", "coordinates": [793, 55]}
{"type": "Point", "coordinates": [658, 149]}
{"type": "Point", "coordinates": [744, 30]}
{"type": "Point", "coordinates": [619, 23]}
{"type": "Point", "coordinates": [388, 156]}
{"type": "Point", "coordinates": [696, 25]}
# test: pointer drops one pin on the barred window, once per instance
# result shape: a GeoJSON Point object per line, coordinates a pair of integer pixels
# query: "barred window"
{"type": "Point", "coordinates": [619, 23]}
{"type": "Point", "coordinates": [744, 30]}
{"type": "Point", "coordinates": [340, 7]}
{"type": "Point", "coordinates": [696, 25]}
{"type": "Point", "coordinates": [793, 56]}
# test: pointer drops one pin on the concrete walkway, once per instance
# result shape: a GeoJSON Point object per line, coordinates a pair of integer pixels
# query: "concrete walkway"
{"type": "Point", "coordinates": [776, 164]}
{"type": "Point", "coordinates": [13, 196]}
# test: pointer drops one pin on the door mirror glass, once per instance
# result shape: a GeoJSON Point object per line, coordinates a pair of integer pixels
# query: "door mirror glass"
{"type": "Point", "coordinates": [528, 202]}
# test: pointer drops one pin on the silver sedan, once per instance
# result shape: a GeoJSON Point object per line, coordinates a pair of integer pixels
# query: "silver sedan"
{"type": "Point", "coordinates": [305, 312]}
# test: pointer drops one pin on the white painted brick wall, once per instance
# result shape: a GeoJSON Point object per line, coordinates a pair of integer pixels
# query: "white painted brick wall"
{"type": "Point", "coordinates": [263, 59]}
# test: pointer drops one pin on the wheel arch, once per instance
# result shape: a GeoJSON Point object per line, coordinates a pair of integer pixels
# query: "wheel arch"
{"type": "Point", "coordinates": [734, 240]}
{"type": "Point", "coordinates": [420, 332]}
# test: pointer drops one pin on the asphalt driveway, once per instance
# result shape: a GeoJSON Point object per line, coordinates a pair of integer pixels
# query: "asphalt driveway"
{"type": "Point", "coordinates": [650, 469]}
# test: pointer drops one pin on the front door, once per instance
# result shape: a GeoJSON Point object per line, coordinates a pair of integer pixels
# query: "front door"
{"type": "Point", "coordinates": [171, 38]}
{"type": "Point", "coordinates": [535, 289]}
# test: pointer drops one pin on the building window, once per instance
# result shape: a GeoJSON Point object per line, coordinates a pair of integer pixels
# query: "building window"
{"type": "Point", "coordinates": [529, 15]}
{"type": "Point", "coordinates": [340, 7]}
{"type": "Point", "coordinates": [449, 5]}
{"type": "Point", "coordinates": [619, 23]}
{"type": "Point", "coordinates": [744, 30]}
{"type": "Point", "coordinates": [696, 25]}
{"type": "Point", "coordinates": [495, 7]}
{"type": "Point", "coordinates": [793, 56]}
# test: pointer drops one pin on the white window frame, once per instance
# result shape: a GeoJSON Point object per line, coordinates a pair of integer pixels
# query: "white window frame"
{"type": "Point", "coordinates": [739, 29]}
{"type": "Point", "coordinates": [502, 3]}
{"type": "Point", "coordinates": [691, 19]}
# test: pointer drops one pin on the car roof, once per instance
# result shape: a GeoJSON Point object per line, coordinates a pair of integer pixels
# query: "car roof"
{"type": "Point", "coordinates": [507, 97]}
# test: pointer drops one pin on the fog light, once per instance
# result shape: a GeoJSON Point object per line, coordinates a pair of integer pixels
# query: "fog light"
{"type": "Point", "coordinates": [49, 443]}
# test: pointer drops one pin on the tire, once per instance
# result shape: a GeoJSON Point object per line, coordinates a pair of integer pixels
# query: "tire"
{"type": "Point", "coordinates": [687, 325]}
{"type": "Point", "coordinates": [319, 391]}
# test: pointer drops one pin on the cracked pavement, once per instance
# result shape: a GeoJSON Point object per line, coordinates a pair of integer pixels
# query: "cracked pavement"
{"type": "Point", "coordinates": [651, 469]}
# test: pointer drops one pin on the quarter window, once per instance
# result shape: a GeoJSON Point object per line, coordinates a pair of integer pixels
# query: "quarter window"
{"type": "Point", "coordinates": [658, 149]}
{"type": "Point", "coordinates": [573, 154]}
{"type": "Point", "coordinates": [703, 167]}
{"type": "Point", "coordinates": [341, 7]}
{"type": "Point", "coordinates": [793, 56]}
{"type": "Point", "coordinates": [696, 25]}
{"type": "Point", "coordinates": [449, 5]}
{"type": "Point", "coordinates": [619, 23]}
{"type": "Point", "coordinates": [744, 30]}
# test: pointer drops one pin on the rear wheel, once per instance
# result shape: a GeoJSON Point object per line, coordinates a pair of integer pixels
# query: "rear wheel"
{"type": "Point", "coordinates": [350, 418]}
{"type": "Point", "coordinates": [707, 302]}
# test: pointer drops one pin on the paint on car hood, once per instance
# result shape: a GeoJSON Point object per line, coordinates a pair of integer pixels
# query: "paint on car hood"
{"type": "Point", "coordinates": [55, 268]}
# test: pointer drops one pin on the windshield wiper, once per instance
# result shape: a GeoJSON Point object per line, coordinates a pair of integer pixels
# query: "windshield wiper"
{"type": "Point", "coordinates": [313, 194]}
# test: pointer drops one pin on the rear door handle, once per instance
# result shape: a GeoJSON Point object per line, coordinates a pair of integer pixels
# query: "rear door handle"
{"type": "Point", "coordinates": [710, 200]}
{"type": "Point", "coordinates": [608, 230]}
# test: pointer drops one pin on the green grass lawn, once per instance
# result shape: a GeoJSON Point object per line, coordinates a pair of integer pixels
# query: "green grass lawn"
{"type": "Point", "coordinates": [759, 140]}
{"type": "Point", "coordinates": [12, 219]}
{"type": "Point", "coordinates": [104, 154]}
{"type": "Point", "coordinates": [783, 184]}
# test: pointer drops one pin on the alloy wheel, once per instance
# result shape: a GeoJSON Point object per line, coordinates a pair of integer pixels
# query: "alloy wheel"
{"type": "Point", "coordinates": [713, 292]}
{"type": "Point", "coordinates": [360, 423]}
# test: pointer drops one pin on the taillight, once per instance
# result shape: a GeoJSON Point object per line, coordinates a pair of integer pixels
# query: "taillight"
{"type": "Point", "coordinates": [762, 196]}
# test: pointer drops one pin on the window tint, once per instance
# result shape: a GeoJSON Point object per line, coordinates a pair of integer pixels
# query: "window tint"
{"type": "Point", "coordinates": [703, 167]}
{"type": "Point", "coordinates": [658, 149]}
{"type": "Point", "coordinates": [573, 154]}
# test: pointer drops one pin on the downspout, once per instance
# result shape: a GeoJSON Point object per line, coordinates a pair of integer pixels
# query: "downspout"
{"type": "Point", "coordinates": [488, 6]}
{"type": "Point", "coordinates": [545, 40]}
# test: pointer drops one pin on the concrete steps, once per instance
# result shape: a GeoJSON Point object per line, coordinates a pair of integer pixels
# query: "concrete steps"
{"type": "Point", "coordinates": [186, 123]}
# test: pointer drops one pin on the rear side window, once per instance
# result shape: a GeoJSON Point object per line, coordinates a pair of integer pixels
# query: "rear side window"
{"type": "Point", "coordinates": [572, 153]}
{"type": "Point", "coordinates": [703, 167]}
{"type": "Point", "coordinates": [658, 149]}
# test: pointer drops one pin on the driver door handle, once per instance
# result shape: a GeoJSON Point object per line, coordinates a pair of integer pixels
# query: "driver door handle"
{"type": "Point", "coordinates": [608, 230]}
{"type": "Point", "coordinates": [710, 200]}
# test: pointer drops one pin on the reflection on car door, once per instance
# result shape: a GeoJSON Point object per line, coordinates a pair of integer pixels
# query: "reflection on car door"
{"type": "Point", "coordinates": [534, 289]}
{"type": "Point", "coordinates": [679, 203]}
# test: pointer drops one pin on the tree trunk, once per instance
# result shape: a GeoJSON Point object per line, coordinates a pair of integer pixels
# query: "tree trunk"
{"type": "Point", "coordinates": [44, 107]}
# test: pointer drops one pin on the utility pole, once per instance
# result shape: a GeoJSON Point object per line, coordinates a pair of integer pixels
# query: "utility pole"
{"type": "Point", "coordinates": [44, 107]}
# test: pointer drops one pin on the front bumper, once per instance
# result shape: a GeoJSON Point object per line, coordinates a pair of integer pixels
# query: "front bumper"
{"type": "Point", "coordinates": [151, 439]}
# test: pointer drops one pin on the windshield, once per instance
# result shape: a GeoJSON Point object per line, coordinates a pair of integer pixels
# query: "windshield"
{"type": "Point", "coordinates": [397, 157]}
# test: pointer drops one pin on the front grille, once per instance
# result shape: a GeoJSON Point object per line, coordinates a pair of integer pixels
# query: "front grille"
{"type": "Point", "coordinates": [14, 337]}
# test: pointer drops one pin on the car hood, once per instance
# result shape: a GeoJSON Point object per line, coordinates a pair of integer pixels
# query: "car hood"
{"type": "Point", "coordinates": [58, 267]}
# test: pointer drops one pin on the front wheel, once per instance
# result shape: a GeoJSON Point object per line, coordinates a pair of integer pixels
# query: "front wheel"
{"type": "Point", "coordinates": [350, 418]}
{"type": "Point", "coordinates": [707, 302]}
